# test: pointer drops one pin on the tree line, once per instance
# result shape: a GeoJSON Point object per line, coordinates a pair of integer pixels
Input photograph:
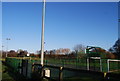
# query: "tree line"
{"type": "Point", "coordinates": [79, 52]}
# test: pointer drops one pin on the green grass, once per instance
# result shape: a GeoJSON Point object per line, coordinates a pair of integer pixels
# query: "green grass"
{"type": "Point", "coordinates": [5, 74]}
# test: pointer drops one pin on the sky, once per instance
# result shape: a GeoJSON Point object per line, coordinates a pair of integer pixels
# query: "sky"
{"type": "Point", "coordinates": [66, 25]}
{"type": "Point", "coordinates": [119, 21]}
{"type": "Point", "coordinates": [60, 0]}
{"type": "Point", "coordinates": [0, 25]}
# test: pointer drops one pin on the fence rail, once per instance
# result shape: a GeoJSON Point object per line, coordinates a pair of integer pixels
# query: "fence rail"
{"type": "Point", "coordinates": [70, 67]}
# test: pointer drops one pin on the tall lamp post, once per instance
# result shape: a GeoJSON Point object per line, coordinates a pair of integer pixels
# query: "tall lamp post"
{"type": "Point", "coordinates": [1, 51]}
{"type": "Point", "coordinates": [42, 34]}
{"type": "Point", "coordinates": [7, 46]}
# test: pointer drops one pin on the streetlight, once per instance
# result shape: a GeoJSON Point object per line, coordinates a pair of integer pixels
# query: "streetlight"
{"type": "Point", "coordinates": [7, 45]}
{"type": "Point", "coordinates": [42, 35]}
{"type": "Point", "coordinates": [2, 47]}
{"type": "Point", "coordinates": [1, 52]}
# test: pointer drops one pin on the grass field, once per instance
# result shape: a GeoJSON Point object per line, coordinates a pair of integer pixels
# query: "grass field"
{"type": "Point", "coordinates": [5, 74]}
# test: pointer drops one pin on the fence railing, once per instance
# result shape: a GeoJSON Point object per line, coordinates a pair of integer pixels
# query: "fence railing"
{"type": "Point", "coordinates": [25, 66]}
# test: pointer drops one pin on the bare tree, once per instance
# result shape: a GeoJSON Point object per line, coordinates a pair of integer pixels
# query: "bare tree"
{"type": "Point", "coordinates": [79, 49]}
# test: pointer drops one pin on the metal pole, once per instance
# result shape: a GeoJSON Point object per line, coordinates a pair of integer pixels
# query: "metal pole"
{"type": "Point", "coordinates": [7, 46]}
{"type": "Point", "coordinates": [88, 67]}
{"type": "Point", "coordinates": [108, 65]}
{"type": "Point", "coordinates": [2, 52]}
{"type": "Point", "coordinates": [42, 35]}
{"type": "Point", "coordinates": [100, 65]}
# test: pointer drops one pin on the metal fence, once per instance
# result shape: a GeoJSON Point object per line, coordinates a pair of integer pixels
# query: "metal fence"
{"type": "Point", "coordinates": [71, 67]}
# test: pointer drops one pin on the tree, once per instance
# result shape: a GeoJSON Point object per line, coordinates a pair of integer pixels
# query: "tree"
{"type": "Point", "coordinates": [62, 51]}
{"type": "Point", "coordinates": [80, 50]}
{"type": "Point", "coordinates": [12, 53]}
{"type": "Point", "coordinates": [102, 53]}
{"type": "Point", "coordinates": [116, 48]}
{"type": "Point", "coordinates": [22, 53]}
{"type": "Point", "coordinates": [32, 55]}
{"type": "Point", "coordinates": [3, 54]}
